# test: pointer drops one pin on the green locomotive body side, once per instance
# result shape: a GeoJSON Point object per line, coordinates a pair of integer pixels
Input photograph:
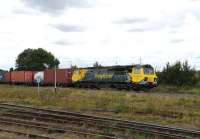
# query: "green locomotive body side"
{"type": "Point", "coordinates": [106, 76]}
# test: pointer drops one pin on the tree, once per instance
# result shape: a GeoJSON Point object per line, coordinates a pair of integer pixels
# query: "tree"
{"type": "Point", "coordinates": [11, 69]}
{"type": "Point", "coordinates": [74, 67]}
{"type": "Point", "coordinates": [36, 60]}
{"type": "Point", "coordinates": [96, 64]}
{"type": "Point", "coordinates": [178, 74]}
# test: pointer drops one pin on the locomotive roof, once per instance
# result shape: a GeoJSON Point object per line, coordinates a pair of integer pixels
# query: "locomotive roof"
{"type": "Point", "coordinates": [118, 67]}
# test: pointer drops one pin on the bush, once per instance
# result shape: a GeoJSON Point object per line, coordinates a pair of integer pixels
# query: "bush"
{"type": "Point", "coordinates": [178, 74]}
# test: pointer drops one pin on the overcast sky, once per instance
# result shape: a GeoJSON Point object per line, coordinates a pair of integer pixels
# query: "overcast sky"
{"type": "Point", "coordinates": [109, 31]}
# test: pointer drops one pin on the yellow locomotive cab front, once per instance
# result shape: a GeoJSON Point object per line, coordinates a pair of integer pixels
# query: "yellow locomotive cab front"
{"type": "Point", "coordinates": [144, 76]}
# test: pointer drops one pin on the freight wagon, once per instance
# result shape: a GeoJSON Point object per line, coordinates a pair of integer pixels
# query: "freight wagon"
{"type": "Point", "coordinates": [2, 77]}
{"type": "Point", "coordinates": [63, 77]}
{"type": "Point", "coordinates": [39, 77]}
{"type": "Point", "coordinates": [5, 77]}
{"type": "Point", "coordinates": [47, 77]}
{"type": "Point", "coordinates": [22, 77]}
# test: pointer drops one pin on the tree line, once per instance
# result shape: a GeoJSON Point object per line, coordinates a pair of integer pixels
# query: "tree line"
{"type": "Point", "coordinates": [178, 74]}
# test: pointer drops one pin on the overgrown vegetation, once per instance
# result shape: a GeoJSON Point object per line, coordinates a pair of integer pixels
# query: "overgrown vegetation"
{"type": "Point", "coordinates": [181, 111]}
{"type": "Point", "coordinates": [172, 89]}
{"type": "Point", "coordinates": [178, 74]}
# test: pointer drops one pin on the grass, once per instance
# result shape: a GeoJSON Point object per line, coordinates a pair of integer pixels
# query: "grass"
{"type": "Point", "coordinates": [179, 90]}
{"type": "Point", "coordinates": [148, 107]}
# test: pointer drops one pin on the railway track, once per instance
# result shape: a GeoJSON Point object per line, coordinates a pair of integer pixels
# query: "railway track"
{"type": "Point", "coordinates": [56, 119]}
{"type": "Point", "coordinates": [28, 119]}
{"type": "Point", "coordinates": [27, 134]}
{"type": "Point", "coordinates": [47, 127]}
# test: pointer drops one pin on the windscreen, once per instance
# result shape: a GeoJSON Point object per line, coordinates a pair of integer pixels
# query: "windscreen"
{"type": "Point", "coordinates": [148, 70]}
{"type": "Point", "coordinates": [137, 70]}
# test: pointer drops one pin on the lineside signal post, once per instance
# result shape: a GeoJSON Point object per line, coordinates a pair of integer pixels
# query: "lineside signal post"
{"type": "Point", "coordinates": [38, 83]}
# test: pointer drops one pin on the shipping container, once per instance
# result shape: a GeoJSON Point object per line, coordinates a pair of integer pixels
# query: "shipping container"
{"type": "Point", "coordinates": [2, 77]}
{"type": "Point", "coordinates": [29, 75]}
{"type": "Point", "coordinates": [39, 76]}
{"type": "Point", "coordinates": [18, 77]}
{"type": "Point", "coordinates": [22, 77]}
{"type": "Point", "coordinates": [63, 77]}
{"type": "Point", "coordinates": [7, 76]}
{"type": "Point", "coordinates": [49, 77]}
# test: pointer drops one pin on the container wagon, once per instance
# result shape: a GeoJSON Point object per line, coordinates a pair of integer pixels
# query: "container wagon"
{"type": "Point", "coordinates": [17, 77]}
{"type": "Point", "coordinates": [29, 77]}
{"type": "Point", "coordinates": [2, 77]}
{"type": "Point", "coordinates": [22, 77]}
{"type": "Point", "coordinates": [63, 77]}
{"type": "Point", "coordinates": [7, 76]}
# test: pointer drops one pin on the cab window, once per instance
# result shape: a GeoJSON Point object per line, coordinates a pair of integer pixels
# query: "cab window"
{"type": "Point", "coordinates": [137, 70]}
{"type": "Point", "coordinates": [77, 72]}
{"type": "Point", "coordinates": [148, 71]}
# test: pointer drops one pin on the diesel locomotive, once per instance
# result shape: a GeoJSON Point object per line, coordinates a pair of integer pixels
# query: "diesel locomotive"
{"type": "Point", "coordinates": [121, 77]}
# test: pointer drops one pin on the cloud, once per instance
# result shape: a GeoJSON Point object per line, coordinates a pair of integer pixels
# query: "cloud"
{"type": "Point", "coordinates": [148, 26]}
{"type": "Point", "coordinates": [68, 28]}
{"type": "Point", "coordinates": [62, 42]}
{"type": "Point", "coordinates": [166, 20]}
{"type": "Point", "coordinates": [131, 20]}
{"type": "Point", "coordinates": [25, 11]}
{"type": "Point", "coordinates": [5, 32]}
{"type": "Point", "coordinates": [176, 40]}
{"type": "Point", "coordinates": [140, 24]}
{"type": "Point", "coordinates": [55, 7]}
{"type": "Point", "coordinates": [194, 0]}
{"type": "Point", "coordinates": [139, 29]}
{"type": "Point", "coordinates": [65, 42]}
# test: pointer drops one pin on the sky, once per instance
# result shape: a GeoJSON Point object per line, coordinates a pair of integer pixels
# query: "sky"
{"type": "Point", "coordinates": [112, 32]}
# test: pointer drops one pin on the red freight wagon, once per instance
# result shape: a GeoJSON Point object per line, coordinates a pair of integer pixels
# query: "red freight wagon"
{"type": "Point", "coordinates": [63, 76]}
{"type": "Point", "coordinates": [17, 77]}
{"type": "Point", "coordinates": [25, 77]}
{"type": "Point", "coordinates": [7, 77]}
{"type": "Point", "coordinates": [49, 77]}
{"type": "Point", "coordinates": [29, 75]}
